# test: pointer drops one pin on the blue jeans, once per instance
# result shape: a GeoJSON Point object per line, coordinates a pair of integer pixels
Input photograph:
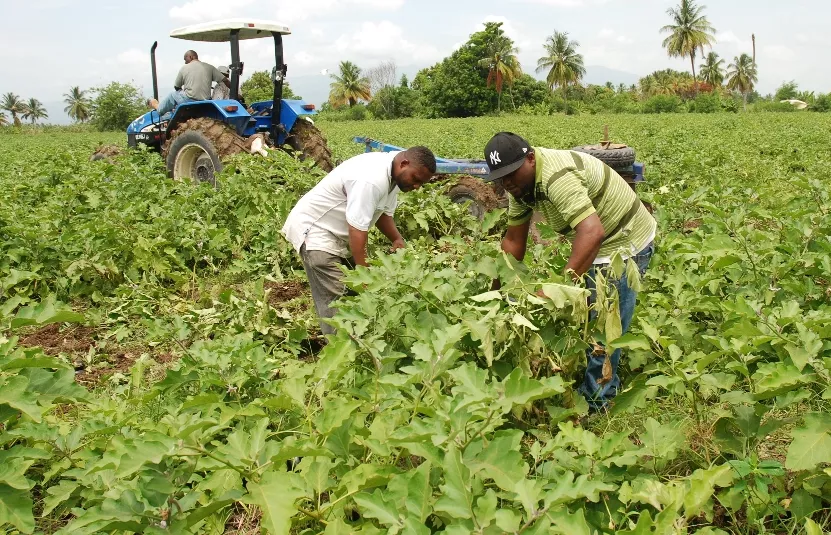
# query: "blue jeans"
{"type": "Point", "coordinates": [596, 394]}
{"type": "Point", "coordinates": [172, 100]}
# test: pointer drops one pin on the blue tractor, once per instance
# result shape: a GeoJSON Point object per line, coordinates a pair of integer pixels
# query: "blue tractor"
{"type": "Point", "coordinates": [196, 136]}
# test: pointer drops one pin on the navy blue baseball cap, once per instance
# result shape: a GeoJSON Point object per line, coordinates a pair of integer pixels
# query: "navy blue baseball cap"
{"type": "Point", "coordinates": [505, 153]}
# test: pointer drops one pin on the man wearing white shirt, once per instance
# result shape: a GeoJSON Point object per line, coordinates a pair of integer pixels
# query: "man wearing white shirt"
{"type": "Point", "coordinates": [333, 219]}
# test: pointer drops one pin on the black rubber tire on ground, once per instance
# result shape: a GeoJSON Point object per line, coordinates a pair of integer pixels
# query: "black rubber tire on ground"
{"type": "Point", "coordinates": [218, 139]}
{"type": "Point", "coordinates": [306, 139]}
{"type": "Point", "coordinates": [462, 194]}
{"type": "Point", "coordinates": [192, 156]}
{"type": "Point", "coordinates": [615, 158]}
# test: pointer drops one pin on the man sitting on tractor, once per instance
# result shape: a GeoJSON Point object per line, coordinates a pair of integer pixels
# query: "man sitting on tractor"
{"type": "Point", "coordinates": [192, 83]}
{"type": "Point", "coordinates": [584, 199]}
{"type": "Point", "coordinates": [333, 219]}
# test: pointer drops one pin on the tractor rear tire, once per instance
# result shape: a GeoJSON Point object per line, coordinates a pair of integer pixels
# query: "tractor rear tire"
{"type": "Point", "coordinates": [480, 194]}
{"type": "Point", "coordinates": [619, 158]}
{"type": "Point", "coordinates": [217, 141]}
{"type": "Point", "coordinates": [306, 139]}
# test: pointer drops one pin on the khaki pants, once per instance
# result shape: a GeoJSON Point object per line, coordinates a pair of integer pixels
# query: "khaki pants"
{"type": "Point", "coordinates": [326, 281]}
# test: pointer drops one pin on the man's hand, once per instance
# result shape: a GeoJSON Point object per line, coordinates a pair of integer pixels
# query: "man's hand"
{"type": "Point", "coordinates": [514, 243]}
{"type": "Point", "coordinates": [386, 225]}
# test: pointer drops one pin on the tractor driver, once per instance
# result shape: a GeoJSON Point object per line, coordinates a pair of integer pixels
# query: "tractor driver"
{"type": "Point", "coordinates": [584, 199]}
{"type": "Point", "coordinates": [192, 83]}
{"type": "Point", "coordinates": [331, 222]}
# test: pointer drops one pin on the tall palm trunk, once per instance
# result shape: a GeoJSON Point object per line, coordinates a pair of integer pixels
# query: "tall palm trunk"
{"type": "Point", "coordinates": [499, 102]}
{"type": "Point", "coordinates": [695, 82]}
{"type": "Point", "coordinates": [744, 95]}
{"type": "Point", "coordinates": [565, 99]}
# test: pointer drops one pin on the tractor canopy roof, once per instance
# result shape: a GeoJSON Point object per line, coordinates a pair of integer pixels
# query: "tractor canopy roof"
{"type": "Point", "coordinates": [220, 30]}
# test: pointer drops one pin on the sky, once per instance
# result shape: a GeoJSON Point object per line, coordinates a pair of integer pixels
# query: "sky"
{"type": "Point", "coordinates": [50, 45]}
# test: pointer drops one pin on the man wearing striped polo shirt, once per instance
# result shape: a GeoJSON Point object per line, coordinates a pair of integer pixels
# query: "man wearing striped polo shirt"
{"type": "Point", "coordinates": [584, 199]}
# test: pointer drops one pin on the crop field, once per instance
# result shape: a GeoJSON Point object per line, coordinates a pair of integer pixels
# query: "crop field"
{"type": "Point", "coordinates": [162, 369]}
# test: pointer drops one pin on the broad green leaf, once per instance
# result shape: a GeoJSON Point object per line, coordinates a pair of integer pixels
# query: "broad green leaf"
{"type": "Point", "coordinates": [500, 460]}
{"type": "Point", "coordinates": [562, 296]}
{"type": "Point", "coordinates": [803, 504]}
{"type": "Point", "coordinates": [485, 510]}
{"type": "Point", "coordinates": [799, 356]}
{"type": "Point", "coordinates": [366, 476]}
{"type": "Point", "coordinates": [49, 311]}
{"type": "Point", "coordinates": [811, 445]}
{"type": "Point", "coordinates": [662, 441]}
{"type": "Point", "coordinates": [487, 296]}
{"type": "Point", "coordinates": [631, 341]}
{"type": "Point", "coordinates": [566, 523]}
{"type": "Point", "coordinates": [776, 378]}
{"type": "Point", "coordinates": [377, 506]}
{"type": "Point", "coordinates": [519, 389]}
{"type": "Point", "coordinates": [566, 489]}
{"type": "Point", "coordinates": [57, 494]}
{"type": "Point", "coordinates": [14, 394]}
{"type": "Point", "coordinates": [812, 528]}
{"type": "Point", "coordinates": [522, 321]}
{"type": "Point", "coordinates": [419, 494]}
{"type": "Point", "coordinates": [316, 470]}
{"type": "Point", "coordinates": [275, 495]}
{"type": "Point", "coordinates": [702, 485]}
{"type": "Point", "coordinates": [13, 473]}
{"type": "Point", "coordinates": [457, 497]}
{"type": "Point", "coordinates": [16, 509]}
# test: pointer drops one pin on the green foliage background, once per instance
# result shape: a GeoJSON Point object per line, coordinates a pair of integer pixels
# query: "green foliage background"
{"type": "Point", "coordinates": [440, 406]}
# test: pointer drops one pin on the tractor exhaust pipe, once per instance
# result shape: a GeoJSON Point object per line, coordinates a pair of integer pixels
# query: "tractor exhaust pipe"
{"type": "Point", "coordinates": [153, 70]}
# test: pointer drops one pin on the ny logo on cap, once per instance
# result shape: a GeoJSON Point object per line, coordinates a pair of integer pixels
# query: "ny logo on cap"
{"type": "Point", "coordinates": [495, 159]}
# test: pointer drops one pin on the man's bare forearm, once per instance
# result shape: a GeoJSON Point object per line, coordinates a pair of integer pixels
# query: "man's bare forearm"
{"type": "Point", "coordinates": [357, 244]}
{"type": "Point", "coordinates": [386, 224]}
{"type": "Point", "coordinates": [586, 244]}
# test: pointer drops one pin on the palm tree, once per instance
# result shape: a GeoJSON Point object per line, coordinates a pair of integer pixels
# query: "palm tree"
{"type": "Point", "coordinates": [563, 63]}
{"type": "Point", "coordinates": [3, 119]}
{"type": "Point", "coordinates": [350, 86]}
{"type": "Point", "coordinates": [12, 104]}
{"type": "Point", "coordinates": [712, 71]}
{"type": "Point", "coordinates": [742, 76]}
{"type": "Point", "coordinates": [502, 64]}
{"type": "Point", "coordinates": [690, 32]}
{"type": "Point", "coordinates": [34, 110]}
{"type": "Point", "coordinates": [77, 104]}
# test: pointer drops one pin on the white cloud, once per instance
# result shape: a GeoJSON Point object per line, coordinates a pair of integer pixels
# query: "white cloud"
{"type": "Point", "coordinates": [381, 40]}
{"type": "Point", "coordinates": [730, 38]}
{"type": "Point", "coordinates": [566, 3]}
{"type": "Point", "coordinates": [778, 52]}
{"type": "Point", "coordinates": [609, 35]}
{"type": "Point", "coordinates": [285, 12]}
{"type": "Point", "coordinates": [133, 56]}
{"type": "Point", "coordinates": [304, 59]}
{"type": "Point", "coordinates": [202, 10]}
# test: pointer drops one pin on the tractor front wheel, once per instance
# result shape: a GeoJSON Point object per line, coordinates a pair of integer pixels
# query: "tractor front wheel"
{"type": "Point", "coordinates": [195, 149]}
{"type": "Point", "coordinates": [479, 194]}
{"type": "Point", "coordinates": [193, 157]}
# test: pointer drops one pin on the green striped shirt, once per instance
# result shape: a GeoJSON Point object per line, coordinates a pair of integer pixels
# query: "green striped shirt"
{"type": "Point", "coordinates": [571, 186]}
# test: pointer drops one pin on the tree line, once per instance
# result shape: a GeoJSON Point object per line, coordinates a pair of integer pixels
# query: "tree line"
{"type": "Point", "coordinates": [485, 74]}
